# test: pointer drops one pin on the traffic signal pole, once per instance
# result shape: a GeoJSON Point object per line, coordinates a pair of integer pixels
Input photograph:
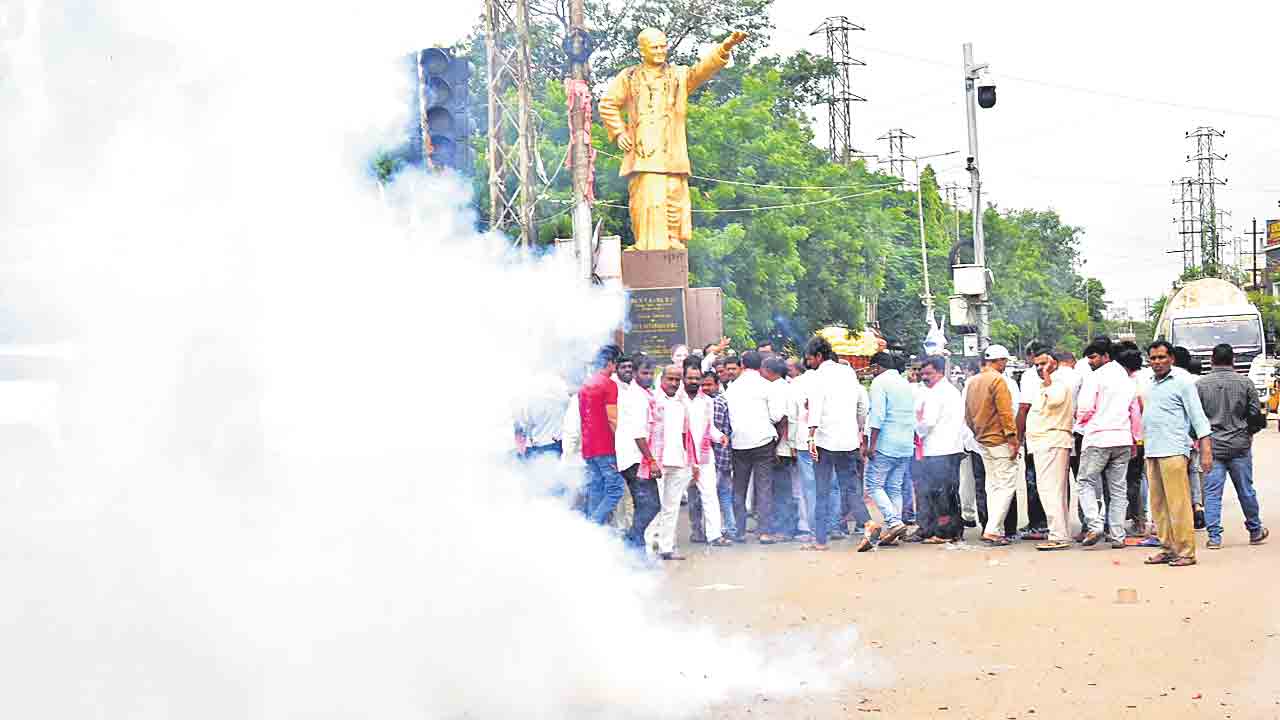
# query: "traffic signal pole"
{"type": "Point", "coordinates": [580, 123]}
{"type": "Point", "coordinates": [971, 75]}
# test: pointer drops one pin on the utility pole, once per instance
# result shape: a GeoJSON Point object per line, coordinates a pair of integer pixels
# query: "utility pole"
{"type": "Point", "coordinates": [840, 95]}
{"type": "Point", "coordinates": [898, 157]}
{"type": "Point", "coordinates": [1257, 281]}
{"type": "Point", "coordinates": [512, 195]}
{"type": "Point", "coordinates": [578, 46]}
{"type": "Point", "coordinates": [972, 73]}
{"type": "Point", "coordinates": [927, 297]}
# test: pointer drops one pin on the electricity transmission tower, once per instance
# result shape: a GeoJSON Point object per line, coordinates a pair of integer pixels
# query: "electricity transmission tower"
{"type": "Point", "coordinates": [840, 97]}
{"type": "Point", "coordinates": [1188, 221]}
{"type": "Point", "coordinates": [1206, 183]}
{"type": "Point", "coordinates": [512, 195]}
{"type": "Point", "coordinates": [898, 157]}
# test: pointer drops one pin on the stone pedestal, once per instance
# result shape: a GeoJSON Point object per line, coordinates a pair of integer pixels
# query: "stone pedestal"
{"type": "Point", "coordinates": [662, 310]}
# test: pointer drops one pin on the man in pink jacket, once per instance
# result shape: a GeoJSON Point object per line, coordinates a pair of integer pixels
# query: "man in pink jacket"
{"type": "Point", "coordinates": [1110, 419]}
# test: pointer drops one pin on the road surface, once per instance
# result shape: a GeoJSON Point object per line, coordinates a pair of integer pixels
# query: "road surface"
{"type": "Point", "coordinates": [1016, 633]}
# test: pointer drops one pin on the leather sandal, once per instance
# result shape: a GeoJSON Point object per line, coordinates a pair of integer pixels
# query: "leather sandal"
{"type": "Point", "coordinates": [1163, 558]}
{"type": "Point", "coordinates": [1182, 562]}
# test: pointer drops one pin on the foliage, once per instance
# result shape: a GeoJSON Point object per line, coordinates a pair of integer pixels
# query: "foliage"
{"type": "Point", "coordinates": [817, 257]}
{"type": "Point", "coordinates": [1269, 306]}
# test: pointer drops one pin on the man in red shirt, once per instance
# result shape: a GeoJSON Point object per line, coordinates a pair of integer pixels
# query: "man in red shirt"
{"type": "Point", "coordinates": [598, 407]}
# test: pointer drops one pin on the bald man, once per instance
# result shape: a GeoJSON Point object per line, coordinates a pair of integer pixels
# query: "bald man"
{"type": "Point", "coordinates": [655, 97]}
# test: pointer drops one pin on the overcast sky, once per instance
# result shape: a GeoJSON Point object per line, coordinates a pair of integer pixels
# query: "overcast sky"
{"type": "Point", "coordinates": [1102, 162]}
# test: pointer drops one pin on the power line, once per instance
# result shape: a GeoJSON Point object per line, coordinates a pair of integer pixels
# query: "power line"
{"type": "Point", "coordinates": [785, 206]}
{"type": "Point", "coordinates": [1087, 91]}
{"type": "Point", "coordinates": [768, 185]}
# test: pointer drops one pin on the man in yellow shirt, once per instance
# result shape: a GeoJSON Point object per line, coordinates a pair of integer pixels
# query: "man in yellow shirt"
{"type": "Point", "coordinates": [1049, 439]}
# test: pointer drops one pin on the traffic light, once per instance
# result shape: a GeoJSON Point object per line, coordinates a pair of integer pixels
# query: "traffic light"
{"type": "Point", "coordinates": [445, 81]}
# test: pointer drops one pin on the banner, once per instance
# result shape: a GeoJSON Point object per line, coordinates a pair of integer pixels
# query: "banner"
{"type": "Point", "coordinates": [1273, 233]}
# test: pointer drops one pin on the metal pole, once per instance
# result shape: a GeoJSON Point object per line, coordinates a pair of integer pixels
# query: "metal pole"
{"type": "Point", "coordinates": [581, 156]}
{"type": "Point", "coordinates": [1256, 283]}
{"type": "Point", "coordinates": [924, 251]}
{"type": "Point", "coordinates": [979, 246]}
{"type": "Point", "coordinates": [528, 197]}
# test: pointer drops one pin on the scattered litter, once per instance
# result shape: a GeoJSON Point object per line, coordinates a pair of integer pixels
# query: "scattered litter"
{"type": "Point", "coordinates": [1197, 696]}
{"type": "Point", "coordinates": [994, 563]}
{"type": "Point", "coordinates": [719, 587]}
{"type": "Point", "coordinates": [960, 546]}
{"type": "Point", "coordinates": [1127, 596]}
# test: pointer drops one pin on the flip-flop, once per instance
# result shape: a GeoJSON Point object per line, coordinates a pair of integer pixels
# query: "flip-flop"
{"type": "Point", "coordinates": [721, 542]}
{"type": "Point", "coordinates": [1049, 546]}
{"type": "Point", "coordinates": [934, 541]}
{"type": "Point", "coordinates": [814, 547]}
{"type": "Point", "coordinates": [1163, 558]}
{"type": "Point", "coordinates": [767, 540]}
{"type": "Point", "coordinates": [1182, 562]}
{"type": "Point", "coordinates": [995, 540]}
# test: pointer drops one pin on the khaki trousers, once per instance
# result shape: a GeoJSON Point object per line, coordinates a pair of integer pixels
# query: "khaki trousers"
{"type": "Point", "coordinates": [1171, 504]}
{"type": "Point", "coordinates": [661, 214]}
{"type": "Point", "coordinates": [1002, 482]}
{"type": "Point", "coordinates": [1053, 468]}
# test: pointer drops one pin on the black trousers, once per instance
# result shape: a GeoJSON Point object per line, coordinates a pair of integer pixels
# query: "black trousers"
{"type": "Point", "coordinates": [939, 497]}
{"type": "Point", "coordinates": [645, 495]}
{"type": "Point", "coordinates": [748, 465]}
{"type": "Point", "coordinates": [980, 492]}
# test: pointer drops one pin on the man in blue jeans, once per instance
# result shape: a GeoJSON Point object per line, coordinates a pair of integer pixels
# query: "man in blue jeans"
{"type": "Point", "coordinates": [1227, 397]}
{"type": "Point", "coordinates": [890, 448]}
{"type": "Point", "coordinates": [598, 407]}
{"type": "Point", "coordinates": [833, 436]}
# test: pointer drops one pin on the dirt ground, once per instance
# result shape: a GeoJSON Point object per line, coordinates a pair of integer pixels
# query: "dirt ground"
{"type": "Point", "coordinates": [1015, 633]}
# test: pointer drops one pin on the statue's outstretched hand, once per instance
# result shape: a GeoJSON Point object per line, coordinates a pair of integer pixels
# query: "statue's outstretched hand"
{"type": "Point", "coordinates": [734, 40]}
{"type": "Point", "coordinates": [624, 142]}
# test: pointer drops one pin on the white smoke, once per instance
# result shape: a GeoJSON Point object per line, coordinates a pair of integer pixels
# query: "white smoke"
{"type": "Point", "coordinates": [281, 491]}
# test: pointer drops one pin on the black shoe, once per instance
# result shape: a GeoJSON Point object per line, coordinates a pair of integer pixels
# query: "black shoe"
{"type": "Point", "coordinates": [970, 524]}
{"type": "Point", "coordinates": [1199, 519]}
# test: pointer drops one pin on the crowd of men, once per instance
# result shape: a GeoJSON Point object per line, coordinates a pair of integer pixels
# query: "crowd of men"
{"type": "Point", "coordinates": [800, 444]}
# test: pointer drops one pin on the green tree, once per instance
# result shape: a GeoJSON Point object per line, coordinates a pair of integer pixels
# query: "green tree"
{"type": "Point", "coordinates": [796, 242]}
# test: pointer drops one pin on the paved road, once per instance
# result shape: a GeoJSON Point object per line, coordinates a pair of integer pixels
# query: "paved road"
{"type": "Point", "coordinates": [1014, 633]}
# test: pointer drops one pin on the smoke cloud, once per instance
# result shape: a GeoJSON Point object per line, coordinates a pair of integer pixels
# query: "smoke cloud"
{"type": "Point", "coordinates": [280, 488]}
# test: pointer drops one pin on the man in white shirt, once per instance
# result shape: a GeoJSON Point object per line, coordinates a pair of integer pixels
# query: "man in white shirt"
{"type": "Point", "coordinates": [631, 444]}
{"type": "Point", "coordinates": [1109, 415]}
{"type": "Point", "coordinates": [834, 434]}
{"type": "Point", "coordinates": [786, 508]}
{"type": "Point", "coordinates": [755, 411]}
{"type": "Point", "coordinates": [705, 436]}
{"type": "Point", "coordinates": [940, 425]}
{"type": "Point", "coordinates": [671, 442]}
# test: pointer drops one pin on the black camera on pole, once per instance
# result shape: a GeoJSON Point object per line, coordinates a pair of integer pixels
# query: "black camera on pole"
{"type": "Point", "coordinates": [987, 96]}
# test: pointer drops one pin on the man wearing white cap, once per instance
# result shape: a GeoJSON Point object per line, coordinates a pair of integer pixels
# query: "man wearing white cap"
{"type": "Point", "coordinates": [989, 414]}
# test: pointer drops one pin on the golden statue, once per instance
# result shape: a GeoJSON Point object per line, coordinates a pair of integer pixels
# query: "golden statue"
{"type": "Point", "coordinates": [655, 96]}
